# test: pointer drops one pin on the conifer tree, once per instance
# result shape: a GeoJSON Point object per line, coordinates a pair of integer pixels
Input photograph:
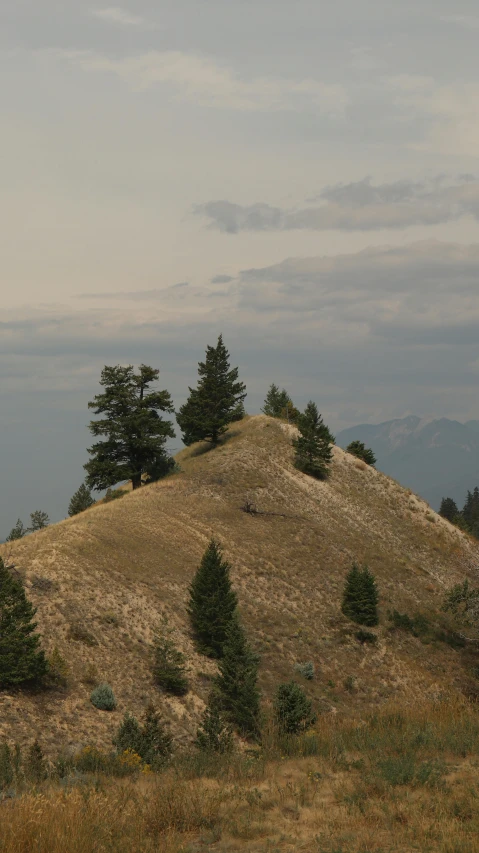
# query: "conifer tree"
{"type": "Point", "coordinates": [128, 735]}
{"type": "Point", "coordinates": [470, 512]}
{"type": "Point", "coordinates": [448, 509]}
{"type": "Point", "coordinates": [215, 402]}
{"type": "Point", "coordinates": [292, 709]}
{"type": "Point", "coordinates": [80, 501]}
{"type": "Point", "coordinates": [214, 733]}
{"type": "Point", "coordinates": [237, 682]}
{"type": "Point", "coordinates": [169, 669]}
{"type": "Point", "coordinates": [359, 449]}
{"type": "Point", "coordinates": [360, 597]}
{"type": "Point", "coordinates": [155, 742]}
{"type": "Point", "coordinates": [38, 520]}
{"type": "Point", "coordinates": [21, 659]}
{"type": "Point", "coordinates": [135, 433]}
{"type": "Point", "coordinates": [17, 532]}
{"type": "Point", "coordinates": [212, 602]}
{"type": "Point", "coordinates": [313, 446]}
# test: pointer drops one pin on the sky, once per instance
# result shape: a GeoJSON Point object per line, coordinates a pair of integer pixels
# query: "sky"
{"type": "Point", "coordinates": [302, 177]}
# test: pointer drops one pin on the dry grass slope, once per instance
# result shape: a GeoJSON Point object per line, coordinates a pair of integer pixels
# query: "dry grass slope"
{"type": "Point", "coordinates": [103, 581]}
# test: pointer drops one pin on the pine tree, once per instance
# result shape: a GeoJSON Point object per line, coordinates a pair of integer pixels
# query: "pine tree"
{"type": "Point", "coordinates": [21, 659]}
{"type": "Point", "coordinates": [35, 765]}
{"type": "Point", "coordinates": [313, 446]}
{"type": "Point", "coordinates": [214, 733]}
{"type": "Point", "coordinates": [448, 509]}
{"type": "Point", "coordinates": [212, 602]}
{"type": "Point", "coordinates": [135, 434]}
{"type": "Point", "coordinates": [216, 401]}
{"type": "Point", "coordinates": [80, 501]}
{"type": "Point", "coordinates": [470, 512]}
{"type": "Point", "coordinates": [360, 597]}
{"type": "Point", "coordinates": [155, 742]}
{"type": "Point", "coordinates": [38, 520]}
{"type": "Point", "coordinates": [17, 532]}
{"type": "Point", "coordinates": [169, 669]}
{"type": "Point", "coordinates": [358, 448]}
{"type": "Point", "coordinates": [293, 709]}
{"type": "Point", "coordinates": [237, 682]}
{"type": "Point", "coordinates": [128, 735]}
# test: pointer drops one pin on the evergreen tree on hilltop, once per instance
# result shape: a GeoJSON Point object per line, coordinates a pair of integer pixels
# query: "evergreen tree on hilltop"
{"type": "Point", "coordinates": [360, 597]}
{"type": "Point", "coordinates": [359, 449]}
{"type": "Point", "coordinates": [21, 659]}
{"type": "Point", "coordinates": [448, 509]}
{"type": "Point", "coordinates": [217, 400]}
{"type": "Point", "coordinates": [212, 602]}
{"type": "Point", "coordinates": [237, 682]}
{"type": "Point", "coordinates": [80, 501]}
{"type": "Point", "coordinates": [277, 402]}
{"type": "Point", "coordinates": [313, 445]}
{"type": "Point", "coordinates": [17, 532]}
{"type": "Point", "coordinates": [135, 433]}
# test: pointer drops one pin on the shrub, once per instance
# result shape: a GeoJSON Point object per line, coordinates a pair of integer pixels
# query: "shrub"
{"type": "Point", "coordinates": [366, 637]}
{"type": "Point", "coordinates": [80, 634]}
{"type": "Point", "coordinates": [169, 667]}
{"type": "Point", "coordinates": [6, 766]}
{"type": "Point", "coordinates": [90, 675]}
{"type": "Point", "coordinates": [90, 759]}
{"type": "Point", "coordinates": [305, 669]}
{"type": "Point", "coordinates": [293, 709]}
{"type": "Point", "coordinates": [113, 495]}
{"type": "Point", "coordinates": [214, 734]}
{"type": "Point", "coordinates": [17, 532]}
{"type": "Point", "coordinates": [58, 669]}
{"type": "Point", "coordinates": [103, 698]}
{"type": "Point", "coordinates": [39, 520]}
{"type": "Point", "coordinates": [358, 449]}
{"type": "Point", "coordinates": [35, 764]}
{"type": "Point", "coordinates": [360, 597]}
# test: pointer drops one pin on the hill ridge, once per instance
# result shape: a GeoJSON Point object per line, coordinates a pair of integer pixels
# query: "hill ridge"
{"type": "Point", "coordinates": [118, 569]}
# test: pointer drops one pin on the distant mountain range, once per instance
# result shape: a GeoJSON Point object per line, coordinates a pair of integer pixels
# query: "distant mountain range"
{"type": "Point", "coordinates": [434, 458]}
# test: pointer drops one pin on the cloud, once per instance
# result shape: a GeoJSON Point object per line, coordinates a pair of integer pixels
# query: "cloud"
{"type": "Point", "coordinates": [221, 279]}
{"type": "Point", "coordinates": [115, 15]}
{"type": "Point", "coordinates": [468, 21]}
{"type": "Point", "coordinates": [358, 206]}
{"type": "Point", "coordinates": [201, 80]}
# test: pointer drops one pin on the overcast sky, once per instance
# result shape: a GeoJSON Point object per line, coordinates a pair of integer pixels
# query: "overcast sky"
{"type": "Point", "coordinates": [301, 176]}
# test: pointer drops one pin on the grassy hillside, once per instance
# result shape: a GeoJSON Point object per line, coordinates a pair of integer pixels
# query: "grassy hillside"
{"type": "Point", "coordinates": [104, 580]}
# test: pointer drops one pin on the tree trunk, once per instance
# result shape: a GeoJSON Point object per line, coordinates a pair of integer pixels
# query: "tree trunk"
{"type": "Point", "coordinates": [136, 481]}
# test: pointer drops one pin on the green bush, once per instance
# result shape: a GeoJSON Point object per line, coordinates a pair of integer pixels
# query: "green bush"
{"type": "Point", "coordinates": [128, 735]}
{"type": "Point", "coordinates": [305, 669]}
{"type": "Point", "coordinates": [169, 667]}
{"type": "Point", "coordinates": [358, 449]}
{"type": "Point", "coordinates": [150, 741]}
{"type": "Point", "coordinates": [103, 698]}
{"type": "Point", "coordinates": [58, 669]}
{"type": "Point", "coordinates": [366, 637]}
{"type": "Point", "coordinates": [293, 709]}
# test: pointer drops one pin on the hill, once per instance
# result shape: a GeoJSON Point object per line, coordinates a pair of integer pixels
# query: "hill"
{"type": "Point", "coordinates": [436, 458]}
{"type": "Point", "coordinates": [104, 580]}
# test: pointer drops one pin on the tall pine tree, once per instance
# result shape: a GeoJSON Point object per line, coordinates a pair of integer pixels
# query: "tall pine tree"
{"type": "Point", "coordinates": [135, 433]}
{"type": "Point", "coordinates": [81, 500]}
{"type": "Point", "coordinates": [212, 602]}
{"type": "Point", "coordinates": [215, 402]}
{"type": "Point", "coordinates": [313, 445]}
{"type": "Point", "coordinates": [237, 682]}
{"type": "Point", "coordinates": [21, 659]}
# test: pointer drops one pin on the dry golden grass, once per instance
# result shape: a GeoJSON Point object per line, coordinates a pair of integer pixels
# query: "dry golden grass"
{"type": "Point", "coordinates": [119, 568]}
{"type": "Point", "coordinates": [402, 780]}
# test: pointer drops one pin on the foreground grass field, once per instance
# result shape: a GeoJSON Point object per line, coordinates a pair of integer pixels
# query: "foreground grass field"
{"type": "Point", "coordinates": [396, 781]}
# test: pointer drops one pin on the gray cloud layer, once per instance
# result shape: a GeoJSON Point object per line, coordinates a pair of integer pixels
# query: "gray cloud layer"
{"type": "Point", "coordinates": [358, 206]}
